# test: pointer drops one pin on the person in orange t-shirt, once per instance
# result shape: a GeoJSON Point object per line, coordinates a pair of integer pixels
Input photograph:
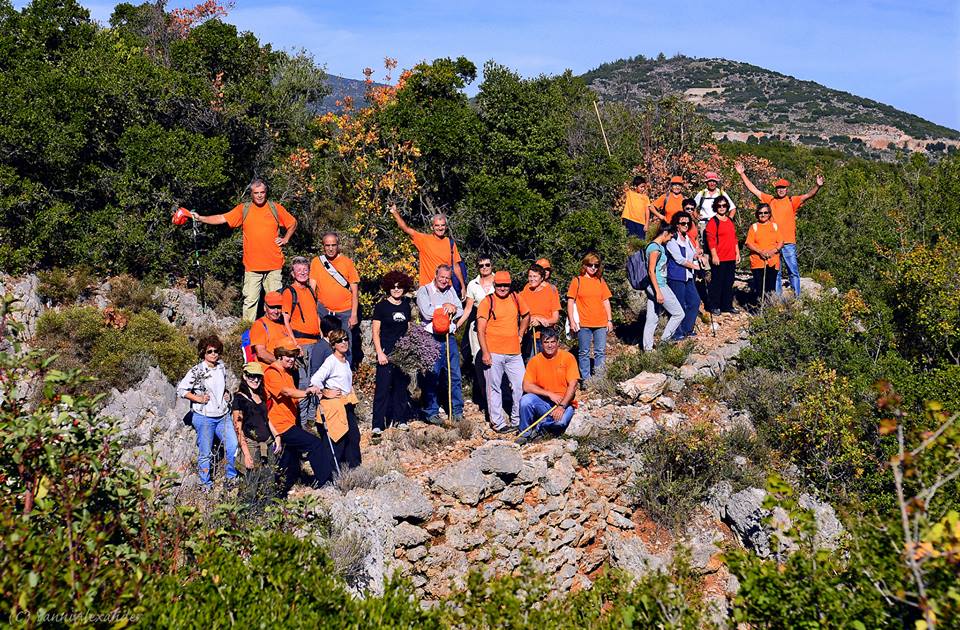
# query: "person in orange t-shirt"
{"type": "Point", "coordinates": [502, 320]}
{"type": "Point", "coordinates": [670, 203]}
{"type": "Point", "coordinates": [262, 256]}
{"type": "Point", "coordinates": [549, 386]}
{"type": "Point", "coordinates": [636, 208]}
{"type": "Point", "coordinates": [302, 322]}
{"type": "Point", "coordinates": [589, 314]}
{"type": "Point", "coordinates": [784, 210]}
{"type": "Point", "coordinates": [435, 249]}
{"type": "Point", "coordinates": [764, 242]}
{"type": "Point", "coordinates": [282, 397]}
{"type": "Point", "coordinates": [544, 302]}
{"type": "Point", "coordinates": [337, 283]}
{"type": "Point", "coordinates": [266, 332]}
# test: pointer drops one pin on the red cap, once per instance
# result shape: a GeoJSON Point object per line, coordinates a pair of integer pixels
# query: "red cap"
{"type": "Point", "coordinates": [781, 183]}
{"type": "Point", "coordinates": [676, 179]}
{"type": "Point", "coordinates": [711, 175]}
{"type": "Point", "coordinates": [180, 216]}
{"type": "Point", "coordinates": [273, 298]}
{"type": "Point", "coordinates": [501, 277]}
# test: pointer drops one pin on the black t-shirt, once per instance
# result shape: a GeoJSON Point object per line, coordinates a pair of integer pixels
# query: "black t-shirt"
{"type": "Point", "coordinates": [254, 420]}
{"type": "Point", "coordinates": [394, 319]}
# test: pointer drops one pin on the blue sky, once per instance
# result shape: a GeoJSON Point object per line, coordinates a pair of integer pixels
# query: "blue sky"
{"type": "Point", "coordinates": [904, 53]}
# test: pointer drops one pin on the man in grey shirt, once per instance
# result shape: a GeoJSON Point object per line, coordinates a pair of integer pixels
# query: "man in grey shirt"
{"type": "Point", "coordinates": [439, 294]}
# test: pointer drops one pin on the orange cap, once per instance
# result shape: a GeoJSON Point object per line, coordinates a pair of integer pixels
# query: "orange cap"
{"type": "Point", "coordinates": [781, 183]}
{"type": "Point", "coordinates": [273, 298]}
{"type": "Point", "coordinates": [501, 277]}
{"type": "Point", "coordinates": [287, 343]}
{"type": "Point", "coordinates": [543, 262]}
{"type": "Point", "coordinates": [676, 179]}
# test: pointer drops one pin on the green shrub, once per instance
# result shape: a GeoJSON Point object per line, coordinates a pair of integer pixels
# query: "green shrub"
{"type": "Point", "coordinates": [129, 294]}
{"type": "Point", "coordinates": [764, 393]}
{"type": "Point", "coordinates": [65, 286]}
{"type": "Point", "coordinates": [626, 365]}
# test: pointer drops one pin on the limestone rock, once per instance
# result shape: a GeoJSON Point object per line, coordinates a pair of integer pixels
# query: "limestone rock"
{"type": "Point", "coordinates": [463, 480]}
{"type": "Point", "coordinates": [644, 387]}
{"type": "Point", "coordinates": [403, 498]}
{"type": "Point", "coordinates": [499, 457]}
{"type": "Point", "coordinates": [631, 555]}
{"type": "Point", "coordinates": [619, 520]}
{"type": "Point", "coordinates": [560, 476]}
{"type": "Point", "coordinates": [407, 535]}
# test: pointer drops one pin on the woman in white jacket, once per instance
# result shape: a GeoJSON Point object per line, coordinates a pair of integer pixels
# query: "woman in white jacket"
{"type": "Point", "coordinates": [206, 388]}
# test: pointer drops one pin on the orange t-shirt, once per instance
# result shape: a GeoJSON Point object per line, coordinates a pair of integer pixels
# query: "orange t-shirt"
{"type": "Point", "coordinates": [589, 294]}
{"type": "Point", "coordinates": [673, 205]}
{"type": "Point", "coordinates": [784, 214]}
{"type": "Point", "coordinates": [304, 317]}
{"type": "Point", "coordinates": [433, 253]}
{"type": "Point", "coordinates": [266, 332]}
{"type": "Point", "coordinates": [764, 236]}
{"type": "Point", "coordinates": [503, 328]}
{"type": "Point", "coordinates": [283, 412]}
{"type": "Point", "coordinates": [542, 302]}
{"type": "Point", "coordinates": [553, 375]}
{"type": "Point", "coordinates": [636, 207]}
{"type": "Point", "coordinates": [260, 231]}
{"type": "Point", "coordinates": [332, 294]}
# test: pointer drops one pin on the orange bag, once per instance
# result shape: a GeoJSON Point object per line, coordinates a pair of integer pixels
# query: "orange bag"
{"type": "Point", "coordinates": [441, 322]}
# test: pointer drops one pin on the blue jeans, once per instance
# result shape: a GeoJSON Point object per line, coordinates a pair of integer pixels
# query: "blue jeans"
{"type": "Point", "coordinates": [635, 229]}
{"type": "Point", "coordinates": [308, 405]}
{"type": "Point", "coordinates": [533, 406]}
{"type": "Point", "coordinates": [206, 428]}
{"type": "Point", "coordinates": [689, 298]}
{"type": "Point", "coordinates": [788, 260]}
{"type": "Point", "coordinates": [599, 338]}
{"type": "Point", "coordinates": [431, 379]}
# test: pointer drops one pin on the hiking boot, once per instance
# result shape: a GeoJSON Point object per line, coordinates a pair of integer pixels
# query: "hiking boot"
{"type": "Point", "coordinates": [507, 428]}
{"type": "Point", "coordinates": [376, 436]}
{"type": "Point", "coordinates": [435, 420]}
{"type": "Point", "coordinates": [715, 312]}
{"type": "Point", "coordinates": [523, 439]}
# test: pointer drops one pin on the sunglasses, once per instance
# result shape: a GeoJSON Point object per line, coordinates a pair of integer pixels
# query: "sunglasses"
{"type": "Point", "coordinates": [254, 377]}
{"type": "Point", "coordinates": [592, 265]}
{"type": "Point", "coordinates": [272, 306]}
{"type": "Point", "coordinates": [723, 207]}
{"type": "Point", "coordinates": [502, 286]}
{"type": "Point", "coordinates": [763, 214]}
{"type": "Point", "coordinates": [212, 351]}
{"type": "Point", "coordinates": [484, 264]}
{"type": "Point", "coordinates": [683, 223]}
{"type": "Point", "coordinates": [396, 286]}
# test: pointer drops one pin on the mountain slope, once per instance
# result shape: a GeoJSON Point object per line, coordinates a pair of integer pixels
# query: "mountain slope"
{"type": "Point", "coordinates": [743, 100]}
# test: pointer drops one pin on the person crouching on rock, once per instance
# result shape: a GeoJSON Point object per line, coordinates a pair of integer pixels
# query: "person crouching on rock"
{"type": "Point", "coordinates": [282, 418]}
{"type": "Point", "coordinates": [334, 381]}
{"type": "Point", "coordinates": [549, 386]}
{"type": "Point", "coordinates": [205, 387]}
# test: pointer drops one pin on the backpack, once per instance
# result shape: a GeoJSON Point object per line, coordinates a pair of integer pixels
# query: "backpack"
{"type": "Point", "coordinates": [246, 348]}
{"type": "Point", "coordinates": [637, 272]}
{"type": "Point", "coordinates": [463, 269]}
{"type": "Point", "coordinates": [441, 321]}
{"type": "Point", "coordinates": [295, 300]}
{"type": "Point", "coordinates": [273, 211]}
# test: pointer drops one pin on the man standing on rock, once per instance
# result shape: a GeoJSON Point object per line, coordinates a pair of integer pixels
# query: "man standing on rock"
{"type": "Point", "coordinates": [549, 386]}
{"type": "Point", "coordinates": [337, 283]}
{"type": "Point", "coordinates": [502, 320]}
{"type": "Point", "coordinates": [266, 332]}
{"type": "Point", "coordinates": [262, 257]}
{"type": "Point", "coordinates": [436, 248]}
{"type": "Point", "coordinates": [784, 210]}
{"type": "Point", "coordinates": [433, 297]}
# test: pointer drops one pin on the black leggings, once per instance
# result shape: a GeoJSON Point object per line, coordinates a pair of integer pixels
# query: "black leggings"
{"type": "Point", "coordinates": [721, 285]}
{"type": "Point", "coordinates": [763, 284]}
{"type": "Point", "coordinates": [391, 399]}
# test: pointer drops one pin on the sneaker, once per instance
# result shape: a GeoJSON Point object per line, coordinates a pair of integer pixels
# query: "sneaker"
{"type": "Point", "coordinates": [435, 420]}
{"type": "Point", "coordinates": [715, 312]}
{"type": "Point", "coordinates": [401, 426]}
{"type": "Point", "coordinates": [507, 428]}
{"type": "Point", "coordinates": [523, 439]}
{"type": "Point", "coordinates": [376, 436]}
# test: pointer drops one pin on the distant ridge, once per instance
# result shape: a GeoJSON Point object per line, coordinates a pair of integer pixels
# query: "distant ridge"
{"type": "Point", "coordinates": [748, 103]}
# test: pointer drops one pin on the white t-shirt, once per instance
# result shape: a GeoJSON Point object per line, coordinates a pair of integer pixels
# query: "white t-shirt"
{"type": "Point", "coordinates": [476, 291]}
{"type": "Point", "coordinates": [706, 208]}
{"type": "Point", "coordinates": [334, 374]}
{"type": "Point", "coordinates": [203, 379]}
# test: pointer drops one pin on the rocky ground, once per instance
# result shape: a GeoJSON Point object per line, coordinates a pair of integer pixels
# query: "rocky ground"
{"type": "Point", "coordinates": [432, 502]}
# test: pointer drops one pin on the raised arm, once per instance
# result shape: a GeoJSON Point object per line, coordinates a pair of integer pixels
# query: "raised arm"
{"type": "Point", "coordinates": [400, 222]}
{"type": "Point", "coordinates": [813, 191]}
{"type": "Point", "coordinates": [746, 180]}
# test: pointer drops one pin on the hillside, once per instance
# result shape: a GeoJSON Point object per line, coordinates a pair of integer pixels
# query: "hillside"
{"type": "Point", "coordinates": [340, 88]}
{"type": "Point", "coordinates": [743, 100]}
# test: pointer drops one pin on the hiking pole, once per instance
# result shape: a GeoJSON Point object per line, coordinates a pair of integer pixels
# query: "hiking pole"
{"type": "Point", "coordinates": [539, 420]}
{"type": "Point", "coordinates": [449, 380]}
{"type": "Point", "coordinates": [600, 120]}
{"type": "Point", "coordinates": [763, 288]}
{"type": "Point", "coordinates": [199, 268]}
{"type": "Point", "coordinates": [323, 421]}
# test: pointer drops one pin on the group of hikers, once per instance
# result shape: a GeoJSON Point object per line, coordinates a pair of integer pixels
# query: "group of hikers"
{"type": "Point", "coordinates": [296, 398]}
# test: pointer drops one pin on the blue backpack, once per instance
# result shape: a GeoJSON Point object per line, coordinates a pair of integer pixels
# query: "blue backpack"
{"type": "Point", "coordinates": [637, 270]}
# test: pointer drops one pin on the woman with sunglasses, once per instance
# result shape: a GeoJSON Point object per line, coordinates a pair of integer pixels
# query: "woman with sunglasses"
{"type": "Point", "coordinates": [250, 420]}
{"type": "Point", "coordinates": [764, 242]}
{"type": "Point", "coordinates": [588, 310]}
{"type": "Point", "coordinates": [477, 291]}
{"type": "Point", "coordinates": [724, 257]}
{"type": "Point", "coordinates": [205, 386]}
{"type": "Point", "coordinates": [391, 318]}
{"type": "Point", "coordinates": [334, 381]}
{"type": "Point", "coordinates": [681, 263]}
{"type": "Point", "coordinates": [659, 295]}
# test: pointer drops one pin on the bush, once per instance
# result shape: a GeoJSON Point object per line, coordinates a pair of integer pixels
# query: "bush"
{"type": "Point", "coordinates": [63, 286]}
{"type": "Point", "coordinates": [129, 294]}
{"type": "Point", "coordinates": [663, 359]}
{"type": "Point", "coordinates": [83, 336]}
